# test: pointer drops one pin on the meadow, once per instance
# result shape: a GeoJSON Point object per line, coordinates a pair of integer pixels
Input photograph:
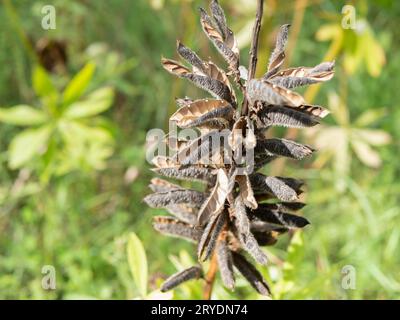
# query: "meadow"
{"type": "Point", "coordinates": [72, 182]}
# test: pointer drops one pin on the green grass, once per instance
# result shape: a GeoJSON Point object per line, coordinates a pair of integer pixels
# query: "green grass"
{"type": "Point", "coordinates": [79, 222]}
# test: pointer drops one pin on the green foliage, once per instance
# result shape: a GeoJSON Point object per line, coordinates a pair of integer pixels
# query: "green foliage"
{"type": "Point", "coordinates": [62, 125]}
{"type": "Point", "coordinates": [137, 263]}
{"type": "Point", "coordinates": [359, 46]}
{"type": "Point", "coordinates": [80, 223]}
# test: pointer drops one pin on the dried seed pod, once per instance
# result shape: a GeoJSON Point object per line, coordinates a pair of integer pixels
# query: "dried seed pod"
{"type": "Point", "coordinates": [176, 228]}
{"type": "Point", "coordinates": [235, 138]}
{"type": "Point", "coordinates": [176, 279]}
{"type": "Point", "coordinates": [246, 191]}
{"type": "Point", "coordinates": [245, 237]}
{"type": "Point", "coordinates": [163, 199]}
{"type": "Point", "coordinates": [278, 54]}
{"type": "Point", "coordinates": [174, 67]}
{"type": "Point", "coordinates": [214, 72]}
{"type": "Point", "coordinates": [273, 185]}
{"type": "Point", "coordinates": [164, 162]}
{"type": "Point", "coordinates": [301, 76]}
{"type": "Point", "coordinates": [324, 66]}
{"type": "Point", "coordinates": [235, 212]}
{"type": "Point", "coordinates": [219, 18]}
{"type": "Point", "coordinates": [182, 102]}
{"type": "Point", "coordinates": [295, 184]}
{"type": "Point", "coordinates": [250, 140]}
{"type": "Point", "coordinates": [190, 56]}
{"type": "Point", "coordinates": [259, 226]}
{"type": "Point", "coordinates": [262, 90]}
{"type": "Point", "coordinates": [205, 150]}
{"type": "Point", "coordinates": [191, 173]}
{"type": "Point", "coordinates": [183, 212]}
{"type": "Point", "coordinates": [227, 47]}
{"type": "Point", "coordinates": [287, 220]}
{"type": "Point", "coordinates": [242, 222]}
{"type": "Point", "coordinates": [225, 264]}
{"type": "Point", "coordinates": [285, 117]}
{"type": "Point", "coordinates": [215, 87]}
{"type": "Point", "coordinates": [210, 235]}
{"type": "Point", "coordinates": [160, 185]}
{"type": "Point", "coordinates": [292, 206]}
{"type": "Point", "coordinates": [293, 82]}
{"type": "Point", "coordinates": [282, 147]}
{"type": "Point", "coordinates": [252, 275]}
{"type": "Point", "coordinates": [312, 110]}
{"type": "Point", "coordinates": [216, 201]}
{"type": "Point", "coordinates": [200, 112]}
{"type": "Point", "coordinates": [266, 238]}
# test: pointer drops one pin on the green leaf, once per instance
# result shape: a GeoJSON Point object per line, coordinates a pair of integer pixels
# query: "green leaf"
{"type": "Point", "coordinates": [85, 147]}
{"type": "Point", "coordinates": [42, 83]}
{"type": "Point", "coordinates": [373, 137]}
{"type": "Point", "coordinates": [97, 102]}
{"type": "Point", "coordinates": [329, 32]}
{"type": "Point", "coordinates": [78, 84]}
{"type": "Point", "coordinates": [22, 115]}
{"type": "Point", "coordinates": [76, 133]}
{"type": "Point", "coordinates": [138, 263]}
{"type": "Point", "coordinates": [370, 116]}
{"type": "Point", "coordinates": [374, 55]}
{"type": "Point", "coordinates": [25, 145]}
{"type": "Point", "coordinates": [366, 154]}
{"type": "Point", "coordinates": [294, 256]}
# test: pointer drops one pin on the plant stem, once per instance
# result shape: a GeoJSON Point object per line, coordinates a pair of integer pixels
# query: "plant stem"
{"type": "Point", "coordinates": [254, 49]}
{"type": "Point", "coordinates": [210, 277]}
{"type": "Point", "coordinates": [212, 271]}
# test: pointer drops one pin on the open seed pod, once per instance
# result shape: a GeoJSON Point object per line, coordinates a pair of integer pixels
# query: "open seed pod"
{"type": "Point", "coordinates": [239, 210]}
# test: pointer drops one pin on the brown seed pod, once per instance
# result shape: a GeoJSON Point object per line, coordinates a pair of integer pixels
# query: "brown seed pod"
{"type": "Point", "coordinates": [238, 209]}
{"type": "Point", "coordinates": [176, 279]}
{"type": "Point", "coordinates": [176, 228]}
{"type": "Point", "coordinates": [225, 263]}
{"type": "Point", "coordinates": [252, 275]}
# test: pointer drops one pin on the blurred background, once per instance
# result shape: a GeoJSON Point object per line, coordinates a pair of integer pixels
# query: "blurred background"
{"type": "Point", "coordinates": [72, 181]}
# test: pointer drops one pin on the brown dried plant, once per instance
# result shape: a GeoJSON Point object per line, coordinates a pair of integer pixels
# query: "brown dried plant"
{"type": "Point", "coordinates": [236, 212]}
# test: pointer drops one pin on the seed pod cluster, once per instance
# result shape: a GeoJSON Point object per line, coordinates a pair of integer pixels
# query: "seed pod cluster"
{"type": "Point", "coordinates": [239, 210]}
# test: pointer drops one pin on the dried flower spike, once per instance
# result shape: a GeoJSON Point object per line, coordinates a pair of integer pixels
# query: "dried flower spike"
{"type": "Point", "coordinates": [233, 216]}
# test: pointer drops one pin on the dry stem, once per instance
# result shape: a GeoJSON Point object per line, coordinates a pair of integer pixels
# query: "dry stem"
{"type": "Point", "coordinates": [254, 49]}
{"type": "Point", "coordinates": [210, 277]}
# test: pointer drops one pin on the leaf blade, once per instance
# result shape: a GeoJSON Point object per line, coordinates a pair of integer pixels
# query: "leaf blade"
{"type": "Point", "coordinates": [137, 261]}
{"type": "Point", "coordinates": [79, 83]}
{"type": "Point", "coordinates": [26, 144]}
{"type": "Point", "coordinates": [22, 115]}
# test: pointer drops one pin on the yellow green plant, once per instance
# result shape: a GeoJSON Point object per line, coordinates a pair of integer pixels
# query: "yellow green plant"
{"type": "Point", "coordinates": [335, 142]}
{"type": "Point", "coordinates": [63, 131]}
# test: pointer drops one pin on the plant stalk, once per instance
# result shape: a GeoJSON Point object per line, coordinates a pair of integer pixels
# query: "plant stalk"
{"type": "Point", "coordinates": [254, 49]}
{"type": "Point", "coordinates": [210, 277]}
